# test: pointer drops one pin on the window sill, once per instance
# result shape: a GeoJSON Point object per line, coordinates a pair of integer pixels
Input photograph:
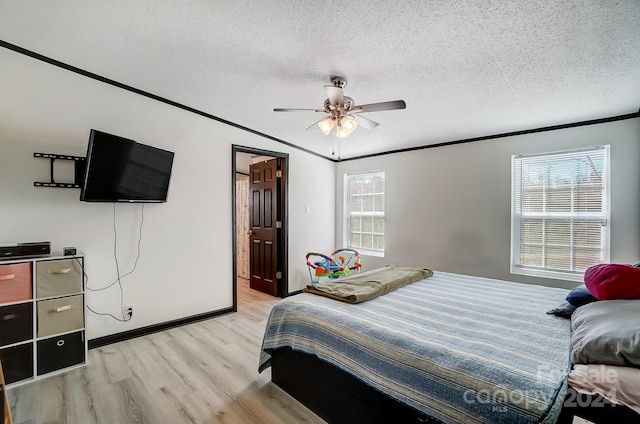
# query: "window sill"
{"type": "Point", "coordinates": [556, 275]}
{"type": "Point", "coordinates": [365, 252]}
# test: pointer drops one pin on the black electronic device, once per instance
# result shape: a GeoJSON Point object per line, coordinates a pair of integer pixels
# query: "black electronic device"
{"type": "Point", "coordinates": [21, 250]}
{"type": "Point", "coordinates": [69, 251]}
{"type": "Point", "coordinates": [123, 170]}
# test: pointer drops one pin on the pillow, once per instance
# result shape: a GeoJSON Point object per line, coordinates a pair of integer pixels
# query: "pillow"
{"type": "Point", "coordinates": [563, 310]}
{"type": "Point", "coordinates": [580, 296]}
{"type": "Point", "coordinates": [613, 281]}
{"type": "Point", "coordinates": [606, 332]}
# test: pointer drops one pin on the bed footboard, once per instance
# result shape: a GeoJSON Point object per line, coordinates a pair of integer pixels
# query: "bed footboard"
{"type": "Point", "coordinates": [337, 397]}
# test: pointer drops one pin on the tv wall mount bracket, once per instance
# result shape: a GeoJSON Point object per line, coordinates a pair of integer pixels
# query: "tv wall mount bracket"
{"type": "Point", "coordinates": [79, 168]}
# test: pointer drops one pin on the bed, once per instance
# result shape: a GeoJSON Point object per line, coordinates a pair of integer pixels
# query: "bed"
{"type": "Point", "coordinates": [449, 348]}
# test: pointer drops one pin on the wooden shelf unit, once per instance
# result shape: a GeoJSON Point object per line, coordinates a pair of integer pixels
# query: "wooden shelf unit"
{"type": "Point", "coordinates": [6, 412]}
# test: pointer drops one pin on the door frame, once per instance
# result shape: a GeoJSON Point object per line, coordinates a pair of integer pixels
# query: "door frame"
{"type": "Point", "coordinates": [283, 240]}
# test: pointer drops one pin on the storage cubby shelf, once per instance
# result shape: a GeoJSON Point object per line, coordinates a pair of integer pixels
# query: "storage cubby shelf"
{"type": "Point", "coordinates": [42, 316]}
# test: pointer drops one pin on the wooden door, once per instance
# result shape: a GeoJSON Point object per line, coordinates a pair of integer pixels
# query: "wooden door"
{"type": "Point", "coordinates": [263, 223]}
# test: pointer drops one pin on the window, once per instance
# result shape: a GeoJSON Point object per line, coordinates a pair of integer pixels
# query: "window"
{"type": "Point", "coordinates": [560, 213]}
{"type": "Point", "coordinates": [364, 212]}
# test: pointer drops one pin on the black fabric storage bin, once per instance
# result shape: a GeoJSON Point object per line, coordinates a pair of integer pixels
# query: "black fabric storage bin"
{"type": "Point", "coordinates": [16, 323]}
{"type": "Point", "coordinates": [17, 362]}
{"type": "Point", "coordinates": [60, 352]}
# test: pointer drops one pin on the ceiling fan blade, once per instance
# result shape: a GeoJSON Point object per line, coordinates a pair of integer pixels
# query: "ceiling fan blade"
{"type": "Point", "coordinates": [315, 124]}
{"type": "Point", "coordinates": [376, 107]}
{"type": "Point", "coordinates": [335, 94]}
{"type": "Point", "coordinates": [364, 122]}
{"type": "Point", "coordinates": [285, 109]}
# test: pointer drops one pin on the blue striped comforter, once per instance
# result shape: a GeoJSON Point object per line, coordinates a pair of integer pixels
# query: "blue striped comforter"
{"type": "Point", "coordinates": [461, 349]}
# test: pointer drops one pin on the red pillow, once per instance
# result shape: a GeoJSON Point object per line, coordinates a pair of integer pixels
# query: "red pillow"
{"type": "Point", "coordinates": [613, 281]}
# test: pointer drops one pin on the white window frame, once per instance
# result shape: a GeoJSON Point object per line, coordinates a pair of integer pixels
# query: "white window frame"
{"type": "Point", "coordinates": [347, 213]}
{"type": "Point", "coordinates": [604, 217]}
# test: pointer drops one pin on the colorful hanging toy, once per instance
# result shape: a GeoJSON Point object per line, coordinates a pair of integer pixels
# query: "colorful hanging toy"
{"type": "Point", "coordinates": [333, 266]}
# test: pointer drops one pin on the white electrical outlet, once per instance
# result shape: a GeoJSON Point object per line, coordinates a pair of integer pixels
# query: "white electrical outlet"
{"type": "Point", "coordinates": [129, 311]}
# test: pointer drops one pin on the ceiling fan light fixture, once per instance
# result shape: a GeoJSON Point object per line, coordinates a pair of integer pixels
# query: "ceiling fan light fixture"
{"type": "Point", "coordinates": [346, 126]}
{"type": "Point", "coordinates": [326, 125]}
{"type": "Point", "coordinates": [349, 124]}
{"type": "Point", "coordinates": [343, 112]}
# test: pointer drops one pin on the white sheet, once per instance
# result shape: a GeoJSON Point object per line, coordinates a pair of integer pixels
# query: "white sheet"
{"type": "Point", "coordinates": [619, 385]}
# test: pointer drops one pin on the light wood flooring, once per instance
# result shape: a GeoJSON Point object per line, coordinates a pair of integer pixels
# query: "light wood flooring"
{"type": "Point", "coordinates": [206, 372]}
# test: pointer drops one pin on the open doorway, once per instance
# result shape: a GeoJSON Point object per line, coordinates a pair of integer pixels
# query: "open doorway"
{"type": "Point", "coordinates": [260, 221]}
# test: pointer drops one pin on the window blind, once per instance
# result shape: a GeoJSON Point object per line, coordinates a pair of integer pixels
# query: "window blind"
{"type": "Point", "coordinates": [364, 220]}
{"type": "Point", "coordinates": [560, 210]}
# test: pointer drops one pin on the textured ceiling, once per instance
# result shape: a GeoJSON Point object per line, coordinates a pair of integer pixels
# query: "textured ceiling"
{"type": "Point", "coordinates": [465, 68]}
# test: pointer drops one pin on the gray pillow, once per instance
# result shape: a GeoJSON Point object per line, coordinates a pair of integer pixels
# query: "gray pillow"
{"type": "Point", "coordinates": [606, 332]}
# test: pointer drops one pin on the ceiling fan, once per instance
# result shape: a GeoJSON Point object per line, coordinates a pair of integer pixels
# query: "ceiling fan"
{"type": "Point", "coordinates": [343, 113]}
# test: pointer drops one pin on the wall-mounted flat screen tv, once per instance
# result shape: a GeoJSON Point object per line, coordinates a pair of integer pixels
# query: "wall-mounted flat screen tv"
{"type": "Point", "coordinates": [122, 170]}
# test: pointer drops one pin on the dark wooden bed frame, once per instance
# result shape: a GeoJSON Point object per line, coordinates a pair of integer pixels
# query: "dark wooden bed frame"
{"type": "Point", "coordinates": [338, 397]}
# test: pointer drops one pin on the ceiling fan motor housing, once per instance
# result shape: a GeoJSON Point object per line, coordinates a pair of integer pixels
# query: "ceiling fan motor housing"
{"type": "Point", "coordinates": [338, 110]}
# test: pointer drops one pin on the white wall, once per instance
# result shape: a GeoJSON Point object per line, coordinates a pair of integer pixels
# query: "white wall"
{"type": "Point", "coordinates": [448, 208]}
{"type": "Point", "coordinates": [186, 262]}
{"type": "Point", "coordinates": [243, 161]}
